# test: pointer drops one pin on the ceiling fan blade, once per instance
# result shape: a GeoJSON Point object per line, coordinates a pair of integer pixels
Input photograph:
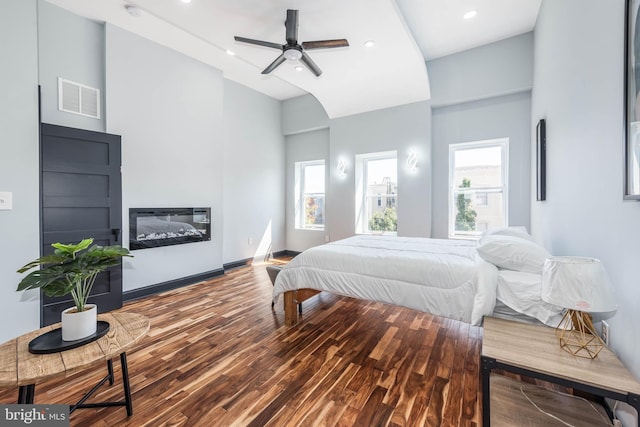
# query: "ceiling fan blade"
{"type": "Point", "coordinates": [279, 60]}
{"type": "Point", "coordinates": [258, 42]}
{"type": "Point", "coordinates": [325, 44]}
{"type": "Point", "coordinates": [291, 24]}
{"type": "Point", "coordinates": [306, 60]}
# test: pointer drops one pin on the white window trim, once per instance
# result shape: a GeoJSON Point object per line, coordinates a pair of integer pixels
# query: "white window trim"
{"type": "Point", "coordinates": [485, 198]}
{"type": "Point", "coordinates": [362, 160]}
{"type": "Point", "coordinates": [299, 212]}
{"type": "Point", "coordinates": [500, 142]}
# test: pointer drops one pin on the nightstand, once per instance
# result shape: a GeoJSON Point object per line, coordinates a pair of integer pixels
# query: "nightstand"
{"type": "Point", "coordinates": [534, 351]}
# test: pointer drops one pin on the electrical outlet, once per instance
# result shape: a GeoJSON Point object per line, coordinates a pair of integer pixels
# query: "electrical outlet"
{"type": "Point", "coordinates": [250, 240]}
{"type": "Point", "coordinates": [326, 238]}
{"type": "Point", "coordinates": [6, 202]}
{"type": "Point", "coordinates": [605, 332]}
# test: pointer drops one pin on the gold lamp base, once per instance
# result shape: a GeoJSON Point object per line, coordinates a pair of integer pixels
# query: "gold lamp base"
{"type": "Point", "coordinates": [578, 336]}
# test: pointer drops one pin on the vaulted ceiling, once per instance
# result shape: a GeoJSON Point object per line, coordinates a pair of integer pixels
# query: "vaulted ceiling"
{"type": "Point", "coordinates": [356, 78]}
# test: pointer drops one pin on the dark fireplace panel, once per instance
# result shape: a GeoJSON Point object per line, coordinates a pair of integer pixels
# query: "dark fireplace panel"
{"type": "Point", "coordinates": [153, 227]}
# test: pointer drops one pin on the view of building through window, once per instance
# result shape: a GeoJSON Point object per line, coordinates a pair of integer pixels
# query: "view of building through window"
{"type": "Point", "coordinates": [381, 191]}
{"type": "Point", "coordinates": [310, 208]}
{"type": "Point", "coordinates": [477, 187]}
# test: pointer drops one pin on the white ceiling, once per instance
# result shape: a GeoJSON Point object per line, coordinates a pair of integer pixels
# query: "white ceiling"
{"type": "Point", "coordinates": [355, 79]}
{"type": "Point", "coordinates": [439, 28]}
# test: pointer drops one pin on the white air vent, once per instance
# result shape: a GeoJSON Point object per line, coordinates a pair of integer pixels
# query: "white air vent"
{"type": "Point", "coordinates": [78, 99]}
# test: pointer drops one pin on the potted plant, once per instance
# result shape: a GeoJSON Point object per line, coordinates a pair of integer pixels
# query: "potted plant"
{"type": "Point", "coordinates": [72, 269]}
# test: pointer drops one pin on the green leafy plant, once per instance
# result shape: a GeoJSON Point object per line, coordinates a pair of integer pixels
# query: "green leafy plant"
{"type": "Point", "coordinates": [466, 216]}
{"type": "Point", "coordinates": [384, 221]}
{"type": "Point", "coordinates": [71, 269]}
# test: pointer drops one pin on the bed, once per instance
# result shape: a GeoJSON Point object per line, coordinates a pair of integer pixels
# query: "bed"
{"type": "Point", "coordinates": [450, 278]}
{"type": "Point", "coordinates": [443, 277]}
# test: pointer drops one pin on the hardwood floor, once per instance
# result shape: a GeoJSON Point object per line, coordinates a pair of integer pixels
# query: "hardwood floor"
{"type": "Point", "coordinates": [217, 355]}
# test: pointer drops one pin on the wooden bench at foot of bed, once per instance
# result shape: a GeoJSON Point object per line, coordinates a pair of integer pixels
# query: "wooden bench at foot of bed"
{"type": "Point", "coordinates": [291, 300]}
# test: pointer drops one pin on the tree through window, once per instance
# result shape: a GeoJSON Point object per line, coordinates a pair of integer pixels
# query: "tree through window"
{"type": "Point", "coordinates": [376, 192]}
{"type": "Point", "coordinates": [310, 194]}
{"type": "Point", "coordinates": [477, 187]}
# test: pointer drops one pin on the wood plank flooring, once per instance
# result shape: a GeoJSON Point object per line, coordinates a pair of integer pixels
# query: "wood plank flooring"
{"type": "Point", "coordinates": [217, 355]}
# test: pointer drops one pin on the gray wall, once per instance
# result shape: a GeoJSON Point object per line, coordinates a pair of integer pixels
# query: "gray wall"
{"type": "Point", "coordinates": [253, 171]}
{"type": "Point", "coordinates": [19, 312]}
{"type": "Point", "coordinates": [303, 114]}
{"type": "Point", "coordinates": [304, 147]}
{"type": "Point", "coordinates": [582, 101]}
{"type": "Point", "coordinates": [169, 110]}
{"type": "Point", "coordinates": [496, 69]}
{"type": "Point", "coordinates": [171, 153]}
{"type": "Point", "coordinates": [479, 94]}
{"type": "Point", "coordinates": [500, 117]}
{"type": "Point", "coordinates": [403, 128]}
{"type": "Point", "coordinates": [70, 47]}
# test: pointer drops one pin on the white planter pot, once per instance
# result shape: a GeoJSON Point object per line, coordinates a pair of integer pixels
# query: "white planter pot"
{"type": "Point", "coordinates": [76, 326]}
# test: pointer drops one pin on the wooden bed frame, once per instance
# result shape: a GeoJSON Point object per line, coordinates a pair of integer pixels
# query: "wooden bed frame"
{"type": "Point", "coordinates": [291, 300]}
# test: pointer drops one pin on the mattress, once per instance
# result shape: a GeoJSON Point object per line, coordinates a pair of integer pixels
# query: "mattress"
{"type": "Point", "coordinates": [503, 311]}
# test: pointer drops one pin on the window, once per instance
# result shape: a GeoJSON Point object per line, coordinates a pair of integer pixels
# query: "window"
{"type": "Point", "coordinates": [478, 176]}
{"type": "Point", "coordinates": [376, 192]}
{"type": "Point", "coordinates": [309, 186]}
{"type": "Point", "coordinates": [482, 198]}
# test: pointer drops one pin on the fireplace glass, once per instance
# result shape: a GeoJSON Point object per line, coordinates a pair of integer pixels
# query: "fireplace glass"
{"type": "Point", "coordinates": [154, 227]}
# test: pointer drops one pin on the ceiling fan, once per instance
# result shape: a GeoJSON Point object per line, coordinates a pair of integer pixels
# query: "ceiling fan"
{"type": "Point", "coordinates": [294, 51]}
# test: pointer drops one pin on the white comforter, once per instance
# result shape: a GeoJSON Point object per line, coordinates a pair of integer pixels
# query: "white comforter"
{"type": "Point", "coordinates": [442, 277]}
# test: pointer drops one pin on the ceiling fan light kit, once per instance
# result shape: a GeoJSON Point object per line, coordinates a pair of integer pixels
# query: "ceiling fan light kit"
{"type": "Point", "coordinates": [292, 54]}
{"type": "Point", "coordinates": [292, 50]}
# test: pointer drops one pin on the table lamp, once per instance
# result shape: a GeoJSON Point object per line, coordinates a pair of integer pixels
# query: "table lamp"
{"type": "Point", "coordinates": [580, 285]}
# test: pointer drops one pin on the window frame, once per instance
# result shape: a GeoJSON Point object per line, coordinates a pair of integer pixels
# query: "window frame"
{"type": "Point", "coordinates": [363, 197]}
{"type": "Point", "coordinates": [482, 201]}
{"type": "Point", "coordinates": [300, 195]}
{"type": "Point", "coordinates": [503, 144]}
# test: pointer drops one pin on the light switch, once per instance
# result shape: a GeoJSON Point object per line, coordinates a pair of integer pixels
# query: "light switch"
{"type": "Point", "coordinates": [6, 200]}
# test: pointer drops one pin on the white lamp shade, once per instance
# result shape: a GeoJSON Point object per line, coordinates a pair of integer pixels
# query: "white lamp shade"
{"type": "Point", "coordinates": [577, 283]}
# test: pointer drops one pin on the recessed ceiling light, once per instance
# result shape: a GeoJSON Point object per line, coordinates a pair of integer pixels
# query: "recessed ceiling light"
{"type": "Point", "coordinates": [298, 68]}
{"type": "Point", "coordinates": [369, 43]}
{"type": "Point", "coordinates": [230, 52]}
{"type": "Point", "coordinates": [186, 1]}
{"type": "Point", "coordinates": [470, 14]}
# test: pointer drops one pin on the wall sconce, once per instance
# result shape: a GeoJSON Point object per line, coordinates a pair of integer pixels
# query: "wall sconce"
{"type": "Point", "coordinates": [342, 168]}
{"type": "Point", "coordinates": [412, 162]}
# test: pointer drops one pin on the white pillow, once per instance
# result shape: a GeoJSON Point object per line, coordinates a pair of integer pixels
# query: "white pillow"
{"type": "Point", "coordinates": [522, 293]}
{"type": "Point", "coordinates": [517, 231]}
{"type": "Point", "coordinates": [513, 253]}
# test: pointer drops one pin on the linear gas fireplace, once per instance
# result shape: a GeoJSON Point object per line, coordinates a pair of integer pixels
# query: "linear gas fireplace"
{"type": "Point", "coordinates": [153, 227]}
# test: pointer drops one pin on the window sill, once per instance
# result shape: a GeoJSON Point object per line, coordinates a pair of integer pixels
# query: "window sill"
{"type": "Point", "coordinates": [371, 233]}
{"type": "Point", "coordinates": [476, 238]}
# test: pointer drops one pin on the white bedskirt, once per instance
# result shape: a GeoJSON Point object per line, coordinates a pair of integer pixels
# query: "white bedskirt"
{"type": "Point", "coordinates": [438, 276]}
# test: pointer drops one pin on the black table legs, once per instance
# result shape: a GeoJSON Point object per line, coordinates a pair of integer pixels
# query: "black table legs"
{"type": "Point", "coordinates": [26, 393]}
{"type": "Point", "coordinates": [125, 384]}
{"type": "Point", "coordinates": [486, 366]}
